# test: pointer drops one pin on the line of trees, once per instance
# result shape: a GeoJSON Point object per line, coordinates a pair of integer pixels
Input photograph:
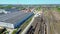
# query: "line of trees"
{"type": "Point", "coordinates": [11, 6]}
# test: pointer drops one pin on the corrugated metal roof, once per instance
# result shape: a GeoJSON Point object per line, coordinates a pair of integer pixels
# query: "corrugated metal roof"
{"type": "Point", "coordinates": [13, 17]}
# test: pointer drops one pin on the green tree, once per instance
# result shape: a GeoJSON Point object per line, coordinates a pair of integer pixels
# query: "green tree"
{"type": "Point", "coordinates": [9, 6]}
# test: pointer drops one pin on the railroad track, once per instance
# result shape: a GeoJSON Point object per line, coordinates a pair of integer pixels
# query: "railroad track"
{"type": "Point", "coordinates": [38, 26]}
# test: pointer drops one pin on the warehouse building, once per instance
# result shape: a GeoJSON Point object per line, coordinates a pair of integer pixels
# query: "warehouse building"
{"type": "Point", "coordinates": [14, 19]}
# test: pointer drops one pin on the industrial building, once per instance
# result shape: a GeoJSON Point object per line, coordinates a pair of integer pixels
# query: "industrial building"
{"type": "Point", "coordinates": [14, 19]}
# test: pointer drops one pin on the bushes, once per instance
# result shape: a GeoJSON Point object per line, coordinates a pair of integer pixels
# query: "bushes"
{"type": "Point", "coordinates": [14, 32]}
{"type": "Point", "coordinates": [58, 9]}
{"type": "Point", "coordinates": [38, 8]}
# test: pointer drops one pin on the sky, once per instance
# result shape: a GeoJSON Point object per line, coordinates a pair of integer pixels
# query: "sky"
{"type": "Point", "coordinates": [29, 1]}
